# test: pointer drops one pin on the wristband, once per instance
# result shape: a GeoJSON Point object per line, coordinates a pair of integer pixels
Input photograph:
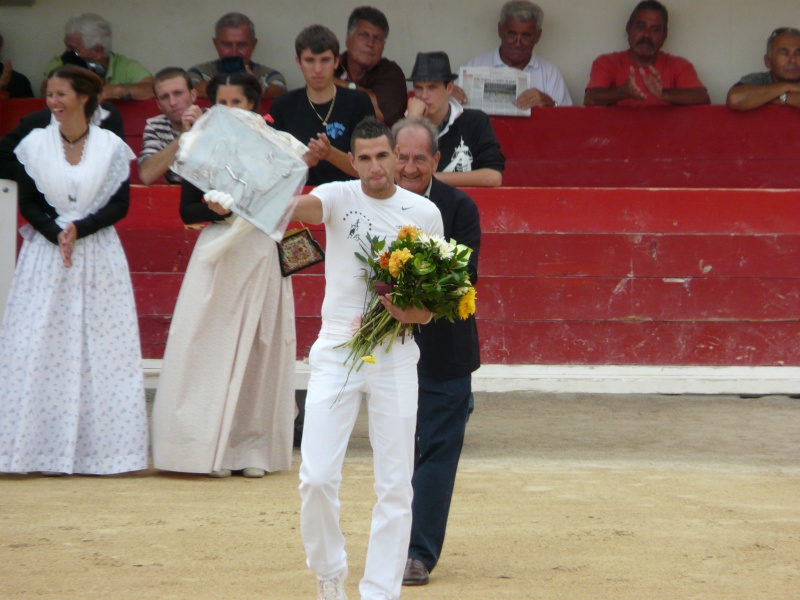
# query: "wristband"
{"type": "Point", "coordinates": [430, 318]}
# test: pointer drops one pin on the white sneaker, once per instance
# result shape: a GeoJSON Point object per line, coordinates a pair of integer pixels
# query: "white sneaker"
{"type": "Point", "coordinates": [332, 589]}
{"type": "Point", "coordinates": [221, 474]}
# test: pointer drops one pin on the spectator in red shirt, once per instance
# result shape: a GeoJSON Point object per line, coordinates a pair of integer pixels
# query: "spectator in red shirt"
{"type": "Point", "coordinates": [643, 75]}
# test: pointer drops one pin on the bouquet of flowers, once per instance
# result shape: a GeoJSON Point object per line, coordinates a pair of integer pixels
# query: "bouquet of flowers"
{"type": "Point", "coordinates": [415, 270]}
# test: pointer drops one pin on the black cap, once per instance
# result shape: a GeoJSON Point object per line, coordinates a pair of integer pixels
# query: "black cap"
{"type": "Point", "coordinates": [432, 66]}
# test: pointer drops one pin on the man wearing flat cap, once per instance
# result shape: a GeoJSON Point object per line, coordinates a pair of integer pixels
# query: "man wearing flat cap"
{"type": "Point", "coordinates": [471, 155]}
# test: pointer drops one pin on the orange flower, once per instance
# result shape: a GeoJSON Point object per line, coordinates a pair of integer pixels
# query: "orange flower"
{"type": "Point", "coordinates": [408, 231]}
{"type": "Point", "coordinates": [397, 260]}
{"type": "Point", "coordinates": [384, 259]}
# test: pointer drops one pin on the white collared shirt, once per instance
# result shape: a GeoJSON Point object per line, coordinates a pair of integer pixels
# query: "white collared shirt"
{"type": "Point", "coordinates": [544, 75]}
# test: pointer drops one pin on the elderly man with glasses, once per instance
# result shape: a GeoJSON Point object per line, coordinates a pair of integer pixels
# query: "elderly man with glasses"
{"type": "Point", "coordinates": [779, 85]}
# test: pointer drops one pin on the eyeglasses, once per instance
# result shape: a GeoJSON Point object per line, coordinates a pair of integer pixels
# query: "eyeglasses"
{"type": "Point", "coordinates": [512, 37]}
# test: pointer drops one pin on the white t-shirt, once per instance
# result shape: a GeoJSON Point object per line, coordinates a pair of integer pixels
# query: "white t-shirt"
{"type": "Point", "coordinates": [544, 75]}
{"type": "Point", "coordinates": [349, 215]}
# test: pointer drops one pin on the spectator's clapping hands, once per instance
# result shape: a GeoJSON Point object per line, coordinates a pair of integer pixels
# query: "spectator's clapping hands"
{"type": "Point", "coordinates": [190, 115]}
{"type": "Point", "coordinates": [652, 81]}
{"type": "Point", "coordinates": [634, 91]}
{"type": "Point", "coordinates": [319, 149]}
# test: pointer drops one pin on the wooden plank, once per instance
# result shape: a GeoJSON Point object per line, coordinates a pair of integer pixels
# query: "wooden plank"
{"type": "Point", "coordinates": [580, 210]}
{"type": "Point", "coordinates": [757, 172]}
{"type": "Point", "coordinates": [658, 133]}
{"type": "Point", "coordinates": [642, 255]}
{"type": "Point", "coordinates": [643, 299]}
{"type": "Point", "coordinates": [640, 343]}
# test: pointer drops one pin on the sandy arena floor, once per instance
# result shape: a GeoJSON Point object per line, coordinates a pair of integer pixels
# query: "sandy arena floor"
{"type": "Point", "coordinates": [558, 497]}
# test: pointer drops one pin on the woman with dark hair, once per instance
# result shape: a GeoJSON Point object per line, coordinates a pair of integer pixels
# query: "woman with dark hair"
{"type": "Point", "coordinates": [225, 399]}
{"type": "Point", "coordinates": [71, 389]}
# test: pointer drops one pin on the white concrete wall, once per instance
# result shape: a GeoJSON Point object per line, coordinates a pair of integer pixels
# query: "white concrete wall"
{"type": "Point", "coordinates": [723, 38]}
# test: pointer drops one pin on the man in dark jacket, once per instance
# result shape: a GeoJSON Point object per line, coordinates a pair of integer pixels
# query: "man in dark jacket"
{"type": "Point", "coordinates": [449, 353]}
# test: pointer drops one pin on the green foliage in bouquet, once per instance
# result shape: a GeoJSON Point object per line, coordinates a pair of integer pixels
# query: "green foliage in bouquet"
{"type": "Point", "coordinates": [415, 270]}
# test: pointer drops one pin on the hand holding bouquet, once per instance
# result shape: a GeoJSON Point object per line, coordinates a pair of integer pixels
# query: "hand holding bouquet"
{"type": "Point", "coordinates": [418, 270]}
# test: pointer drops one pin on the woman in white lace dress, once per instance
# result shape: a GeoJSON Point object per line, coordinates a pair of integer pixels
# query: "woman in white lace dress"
{"type": "Point", "coordinates": [71, 389]}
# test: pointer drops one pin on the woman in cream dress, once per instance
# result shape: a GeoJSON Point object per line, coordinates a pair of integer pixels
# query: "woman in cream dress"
{"type": "Point", "coordinates": [225, 399]}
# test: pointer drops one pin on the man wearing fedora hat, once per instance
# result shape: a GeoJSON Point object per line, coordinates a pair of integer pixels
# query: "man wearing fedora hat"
{"type": "Point", "coordinates": [471, 155]}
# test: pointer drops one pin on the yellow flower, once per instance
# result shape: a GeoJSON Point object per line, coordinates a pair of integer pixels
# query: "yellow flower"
{"type": "Point", "coordinates": [397, 260]}
{"type": "Point", "coordinates": [369, 359]}
{"type": "Point", "coordinates": [466, 306]}
{"type": "Point", "coordinates": [408, 231]}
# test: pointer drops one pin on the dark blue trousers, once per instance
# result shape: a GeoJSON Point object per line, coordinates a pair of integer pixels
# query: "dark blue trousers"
{"type": "Point", "coordinates": [441, 420]}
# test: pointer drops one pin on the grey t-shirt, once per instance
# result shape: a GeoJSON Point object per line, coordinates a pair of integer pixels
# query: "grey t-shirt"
{"type": "Point", "coordinates": [764, 78]}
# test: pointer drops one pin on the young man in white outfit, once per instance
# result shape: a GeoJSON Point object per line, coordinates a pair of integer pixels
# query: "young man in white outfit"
{"type": "Point", "coordinates": [372, 205]}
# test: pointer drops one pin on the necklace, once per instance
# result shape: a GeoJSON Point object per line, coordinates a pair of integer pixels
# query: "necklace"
{"type": "Point", "coordinates": [330, 110]}
{"type": "Point", "coordinates": [76, 140]}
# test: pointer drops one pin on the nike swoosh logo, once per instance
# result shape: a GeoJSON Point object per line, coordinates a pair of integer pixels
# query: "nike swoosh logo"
{"type": "Point", "coordinates": [406, 207]}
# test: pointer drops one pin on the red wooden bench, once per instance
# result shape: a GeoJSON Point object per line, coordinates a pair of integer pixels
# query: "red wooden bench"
{"type": "Point", "coordinates": [572, 273]}
{"type": "Point", "coordinates": [572, 276]}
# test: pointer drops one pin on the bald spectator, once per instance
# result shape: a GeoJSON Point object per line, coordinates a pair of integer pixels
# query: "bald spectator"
{"type": "Point", "coordinates": [779, 85]}
{"type": "Point", "coordinates": [235, 41]}
{"type": "Point", "coordinates": [643, 75]}
{"type": "Point", "coordinates": [13, 84]}
{"type": "Point", "coordinates": [519, 29]}
{"type": "Point", "coordinates": [364, 68]}
{"type": "Point", "coordinates": [88, 42]}
{"type": "Point", "coordinates": [175, 97]}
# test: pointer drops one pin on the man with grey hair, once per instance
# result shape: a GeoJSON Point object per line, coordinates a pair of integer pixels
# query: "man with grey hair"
{"type": "Point", "coordinates": [449, 353]}
{"type": "Point", "coordinates": [235, 41]}
{"type": "Point", "coordinates": [88, 41]}
{"type": "Point", "coordinates": [519, 29]}
{"type": "Point", "coordinates": [779, 85]}
{"type": "Point", "coordinates": [363, 66]}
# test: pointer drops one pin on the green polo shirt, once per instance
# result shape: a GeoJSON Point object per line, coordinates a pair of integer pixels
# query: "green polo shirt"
{"type": "Point", "coordinates": [121, 69]}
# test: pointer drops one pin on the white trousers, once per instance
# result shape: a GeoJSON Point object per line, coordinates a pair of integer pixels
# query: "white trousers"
{"type": "Point", "coordinates": [391, 387]}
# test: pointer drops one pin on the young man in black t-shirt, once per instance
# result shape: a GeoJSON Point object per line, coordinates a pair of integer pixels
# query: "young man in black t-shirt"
{"type": "Point", "coordinates": [321, 114]}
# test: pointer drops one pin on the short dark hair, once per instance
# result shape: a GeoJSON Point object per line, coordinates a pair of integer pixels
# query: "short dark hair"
{"type": "Point", "coordinates": [649, 5]}
{"type": "Point", "coordinates": [369, 14]}
{"type": "Point", "coordinates": [318, 39]}
{"type": "Point", "coordinates": [172, 73]}
{"type": "Point", "coordinates": [249, 84]}
{"type": "Point", "coordinates": [84, 82]}
{"type": "Point", "coordinates": [418, 123]}
{"type": "Point", "coordinates": [370, 128]}
{"type": "Point", "coordinates": [234, 20]}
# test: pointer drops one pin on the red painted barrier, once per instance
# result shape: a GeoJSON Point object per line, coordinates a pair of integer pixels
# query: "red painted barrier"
{"type": "Point", "coordinates": [585, 274]}
{"type": "Point", "coordinates": [686, 147]}
{"type": "Point", "coordinates": [573, 276]}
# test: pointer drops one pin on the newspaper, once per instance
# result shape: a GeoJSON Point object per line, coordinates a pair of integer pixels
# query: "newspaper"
{"type": "Point", "coordinates": [494, 89]}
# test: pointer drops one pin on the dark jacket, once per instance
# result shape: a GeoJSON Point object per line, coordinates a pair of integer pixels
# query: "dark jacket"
{"type": "Point", "coordinates": [449, 350]}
